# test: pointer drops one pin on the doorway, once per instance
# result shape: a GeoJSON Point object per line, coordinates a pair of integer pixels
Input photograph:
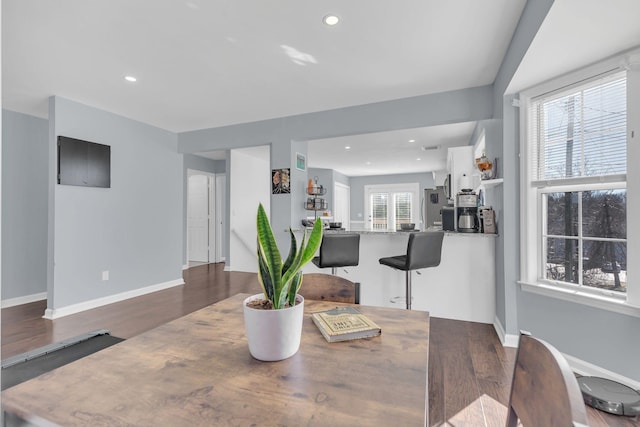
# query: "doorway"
{"type": "Point", "coordinates": [204, 217]}
{"type": "Point", "coordinates": [342, 204]}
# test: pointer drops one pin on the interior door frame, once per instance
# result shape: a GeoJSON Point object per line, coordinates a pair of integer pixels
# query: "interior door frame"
{"type": "Point", "coordinates": [214, 208]}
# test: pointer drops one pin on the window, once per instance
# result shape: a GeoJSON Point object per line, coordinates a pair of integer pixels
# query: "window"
{"type": "Point", "coordinates": [388, 206]}
{"type": "Point", "coordinates": [574, 197]}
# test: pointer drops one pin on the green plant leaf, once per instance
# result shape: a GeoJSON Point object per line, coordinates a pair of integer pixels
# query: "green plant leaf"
{"type": "Point", "coordinates": [272, 261]}
{"type": "Point", "coordinates": [306, 252]}
{"type": "Point", "coordinates": [293, 251]}
{"type": "Point", "coordinates": [315, 239]}
{"type": "Point", "coordinates": [265, 278]}
{"type": "Point", "coordinates": [296, 282]}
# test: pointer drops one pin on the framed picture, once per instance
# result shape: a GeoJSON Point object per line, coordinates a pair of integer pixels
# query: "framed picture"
{"type": "Point", "coordinates": [280, 181]}
{"type": "Point", "coordinates": [301, 161]}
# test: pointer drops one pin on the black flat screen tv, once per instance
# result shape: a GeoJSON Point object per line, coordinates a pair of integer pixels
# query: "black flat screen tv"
{"type": "Point", "coordinates": [83, 163]}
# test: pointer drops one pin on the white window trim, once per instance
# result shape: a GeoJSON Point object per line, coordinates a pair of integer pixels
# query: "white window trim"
{"type": "Point", "coordinates": [412, 187]}
{"type": "Point", "coordinates": [530, 223]}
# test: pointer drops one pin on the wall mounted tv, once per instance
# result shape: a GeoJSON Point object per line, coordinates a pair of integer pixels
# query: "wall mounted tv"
{"type": "Point", "coordinates": [83, 163]}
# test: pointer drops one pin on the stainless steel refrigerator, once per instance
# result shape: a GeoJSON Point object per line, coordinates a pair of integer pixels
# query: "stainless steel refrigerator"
{"type": "Point", "coordinates": [433, 200]}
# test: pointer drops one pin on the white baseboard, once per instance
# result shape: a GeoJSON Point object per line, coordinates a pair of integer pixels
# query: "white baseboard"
{"type": "Point", "coordinates": [577, 365]}
{"type": "Point", "coordinates": [99, 302]}
{"type": "Point", "coordinates": [185, 267]}
{"type": "Point", "coordinates": [507, 340]}
{"type": "Point", "coordinates": [588, 369]}
{"type": "Point", "coordinates": [12, 302]}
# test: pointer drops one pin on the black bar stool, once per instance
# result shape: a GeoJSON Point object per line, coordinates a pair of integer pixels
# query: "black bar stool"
{"type": "Point", "coordinates": [338, 250]}
{"type": "Point", "coordinates": [423, 250]}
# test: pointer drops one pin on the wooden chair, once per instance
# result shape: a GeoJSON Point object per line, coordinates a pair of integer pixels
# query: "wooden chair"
{"type": "Point", "coordinates": [327, 287]}
{"type": "Point", "coordinates": [544, 390]}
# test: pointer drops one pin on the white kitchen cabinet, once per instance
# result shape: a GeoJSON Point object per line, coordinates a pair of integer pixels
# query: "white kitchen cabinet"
{"type": "Point", "coordinates": [460, 162]}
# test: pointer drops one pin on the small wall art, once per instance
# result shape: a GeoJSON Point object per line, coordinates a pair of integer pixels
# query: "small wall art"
{"type": "Point", "coordinates": [301, 161]}
{"type": "Point", "coordinates": [280, 181]}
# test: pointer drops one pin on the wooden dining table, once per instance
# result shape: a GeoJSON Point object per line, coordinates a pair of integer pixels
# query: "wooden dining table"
{"type": "Point", "coordinates": [197, 370]}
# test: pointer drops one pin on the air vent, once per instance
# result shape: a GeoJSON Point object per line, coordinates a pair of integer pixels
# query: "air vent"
{"type": "Point", "coordinates": [430, 147]}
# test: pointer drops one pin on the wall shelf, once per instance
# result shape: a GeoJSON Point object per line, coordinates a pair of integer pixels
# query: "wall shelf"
{"type": "Point", "coordinates": [487, 183]}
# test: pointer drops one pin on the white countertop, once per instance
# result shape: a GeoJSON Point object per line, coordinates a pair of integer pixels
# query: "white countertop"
{"type": "Point", "coordinates": [386, 232]}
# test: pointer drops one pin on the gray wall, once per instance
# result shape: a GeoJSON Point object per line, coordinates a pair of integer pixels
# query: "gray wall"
{"type": "Point", "coordinates": [466, 105]}
{"type": "Point", "coordinates": [282, 134]}
{"type": "Point", "coordinates": [358, 182]}
{"type": "Point", "coordinates": [505, 144]}
{"type": "Point", "coordinates": [600, 337]}
{"type": "Point", "coordinates": [133, 229]}
{"type": "Point", "coordinates": [24, 205]}
{"type": "Point", "coordinates": [191, 162]}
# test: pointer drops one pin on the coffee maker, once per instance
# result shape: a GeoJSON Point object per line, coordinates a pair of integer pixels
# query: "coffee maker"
{"type": "Point", "coordinates": [467, 212]}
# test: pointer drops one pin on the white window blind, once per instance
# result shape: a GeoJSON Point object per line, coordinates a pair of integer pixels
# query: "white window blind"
{"type": "Point", "coordinates": [403, 209]}
{"type": "Point", "coordinates": [379, 211]}
{"type": "Point", "coordinates": [579, 133]}
{"type": "Point", "coordinates": [577, 156]}
{"type": "Point", "coordinates": [389, 205]}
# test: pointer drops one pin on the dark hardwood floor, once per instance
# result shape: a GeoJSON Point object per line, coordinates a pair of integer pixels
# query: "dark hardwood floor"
{"type": "Point", "coordinates": [469, 372]}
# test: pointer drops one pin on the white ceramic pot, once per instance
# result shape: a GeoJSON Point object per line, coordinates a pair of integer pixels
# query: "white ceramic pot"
{"type": "Point", "coordinates": [273, 334]}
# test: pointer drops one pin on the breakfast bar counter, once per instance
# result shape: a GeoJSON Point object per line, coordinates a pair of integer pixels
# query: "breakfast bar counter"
{"type": "Point", "coordinates": [462, 287]}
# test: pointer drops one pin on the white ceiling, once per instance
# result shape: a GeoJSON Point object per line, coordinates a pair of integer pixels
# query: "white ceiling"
{"type": "Point", "coordinates": [392, 152]}
{"type": "Point", "coordinates": [208, 63]}
{"type": "Point", "coordinates": [577, 33]}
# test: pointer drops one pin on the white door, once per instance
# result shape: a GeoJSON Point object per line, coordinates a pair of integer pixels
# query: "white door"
{"type": "Point", "coordinates": [342, 202]}
{"type": "Point", "coordinates": [198, 218]}
{"type": "Point", "coordinates": [219, 226]}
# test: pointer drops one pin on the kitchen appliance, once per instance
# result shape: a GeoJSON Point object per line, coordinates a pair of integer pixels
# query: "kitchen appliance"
{"type": "Point", "coordinates": [487, 220]}
{"type": "Point", "coordinates": [467, 212]}
{"type": "Point", "coordinates": [432, 202]}
{"type": "Point", "coordinates": [609, 396]}
{"type": "Point", "coordinates": [448, 218]}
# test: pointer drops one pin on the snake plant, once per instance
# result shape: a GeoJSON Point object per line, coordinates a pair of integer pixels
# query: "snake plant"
{"type": "Point", "coordinates": [281, 281]}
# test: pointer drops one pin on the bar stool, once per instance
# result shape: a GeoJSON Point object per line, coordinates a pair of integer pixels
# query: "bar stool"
{"type": "Point", "coordinates": [423, 250]}
{"type": "Point", "coordinates": [338, 250]}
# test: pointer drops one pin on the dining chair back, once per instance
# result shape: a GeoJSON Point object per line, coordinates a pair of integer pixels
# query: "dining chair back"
{"type": "Point", "coordinates": [544, 390]}
{"type": "Point", "coordinates": [328, 287]}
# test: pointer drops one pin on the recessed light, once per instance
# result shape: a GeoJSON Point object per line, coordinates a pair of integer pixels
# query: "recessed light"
{"type": "Point", "coordinates": [367, 163]}
{"type": "Point", "coordinates": [331, 20]}
{"type": "Point", "coordinates": [130, 79]}
{"type": "Point", "coordinates": [418, 159]}
{"type": "Point", "coordinates": [347, 147]}
{"type": "Point", "coordinates": [412, 140]}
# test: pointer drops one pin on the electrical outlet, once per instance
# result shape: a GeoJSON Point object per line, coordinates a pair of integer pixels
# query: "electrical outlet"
{"type": "Point", "coordinates": [105, 275]}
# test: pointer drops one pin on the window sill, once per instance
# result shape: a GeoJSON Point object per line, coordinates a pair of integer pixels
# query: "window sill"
{"type": "Point", "coordinates": [603, 302]}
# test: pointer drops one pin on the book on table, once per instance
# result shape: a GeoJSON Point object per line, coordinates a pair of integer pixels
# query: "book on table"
{"type": "Point", "coordinates": [345, 323]}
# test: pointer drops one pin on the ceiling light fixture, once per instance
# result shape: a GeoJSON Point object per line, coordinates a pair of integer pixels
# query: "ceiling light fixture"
{"type": "Point", "coordinates": [130, 79]}
{"type": "Point", "coordinates": [347, 147]}
{"type": "Point", "coordinates": [430, 147]}
{"type": "Point", "coordinates": [331, 20]}
{"type": "Point", "coordinates": [412, 140]}
{"type": "Point", "coordinates": [418, 158]}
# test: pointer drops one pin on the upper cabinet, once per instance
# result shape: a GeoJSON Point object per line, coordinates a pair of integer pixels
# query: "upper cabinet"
{"type": "Point", "coordinates": [461, 169]}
